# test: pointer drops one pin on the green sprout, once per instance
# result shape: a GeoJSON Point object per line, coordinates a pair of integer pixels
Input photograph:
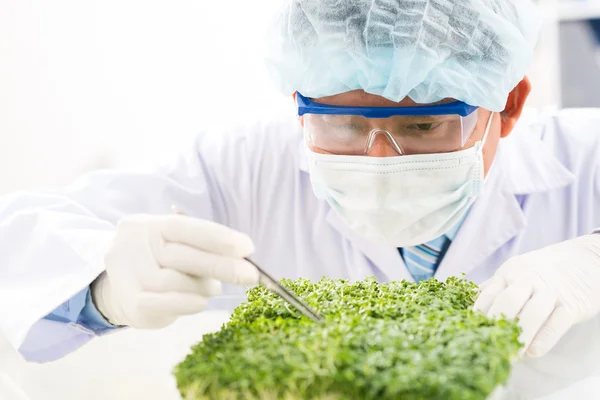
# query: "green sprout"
{"type": "Point", "coordinates": [397, 340]}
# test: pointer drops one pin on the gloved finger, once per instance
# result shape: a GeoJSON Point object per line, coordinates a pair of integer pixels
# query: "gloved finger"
{"type": "Point", "coordinates": [206, 235]}
{"type": "Point", "coordinates": [487, 284]}
{"type": "Point", "coordinates": [202, 264]}
{"type": "Point", "coordinates": [487, 296]}
{"type": "Point", "coordinates": [170, 280]}
{"type": "Point", "coordinates": [559, 322]}
{"type": "Point", "coordinates": [534, 314]}
{"type": "Point", "coordinates": [513, 266]}
{"type": "Point", "coordinates": [171, 304]}
{"type": "Point", "coordinates": [511, 300]}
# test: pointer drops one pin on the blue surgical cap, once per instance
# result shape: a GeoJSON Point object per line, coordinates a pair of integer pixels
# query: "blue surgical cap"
{"type": "Point", "coordinates": [475, 51]}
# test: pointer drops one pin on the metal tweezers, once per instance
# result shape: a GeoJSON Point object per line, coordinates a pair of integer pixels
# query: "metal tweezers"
{"type": "Point", "coordinates": [274, 286]}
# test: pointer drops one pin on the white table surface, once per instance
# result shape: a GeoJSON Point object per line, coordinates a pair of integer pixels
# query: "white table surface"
{"type": "Point", "coordinates": [124, 366]}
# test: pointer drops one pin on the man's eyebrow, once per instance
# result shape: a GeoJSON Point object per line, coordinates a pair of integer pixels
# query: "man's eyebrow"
{"type": "Point", "coordinates": [350, 120]}
{"type": "Point", "coordinates": [403, 118]}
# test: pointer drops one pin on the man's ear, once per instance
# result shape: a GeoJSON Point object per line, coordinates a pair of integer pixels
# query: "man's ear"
{"type": "Point", "coordinates": [514, 106]}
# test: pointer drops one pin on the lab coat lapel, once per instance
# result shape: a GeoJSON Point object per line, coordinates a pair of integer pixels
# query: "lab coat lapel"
{"type": "Point", "coordinates": [523, 166]}
{"type": "Point", "coordinates": [495, 218]}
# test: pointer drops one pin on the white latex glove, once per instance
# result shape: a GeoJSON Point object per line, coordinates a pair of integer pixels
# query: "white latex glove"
{"type": "Point", "coordinates": [162, 267]}
{"type": "Point", "coordinates": [549, 290]}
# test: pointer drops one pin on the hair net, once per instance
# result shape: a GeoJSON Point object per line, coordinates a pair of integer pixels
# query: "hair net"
{"type": "Point", "coordinates": [475, 51]}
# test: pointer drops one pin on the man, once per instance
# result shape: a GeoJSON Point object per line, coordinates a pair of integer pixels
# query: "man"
{"type": "Point", "coordinates": [407, 162]}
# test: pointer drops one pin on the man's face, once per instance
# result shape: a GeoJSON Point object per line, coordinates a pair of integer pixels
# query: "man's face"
{"type": "Point", "coordinates": [384, 148]}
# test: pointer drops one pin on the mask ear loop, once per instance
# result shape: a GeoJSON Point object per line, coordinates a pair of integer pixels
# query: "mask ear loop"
{"type": "Point", "coordinates": [487, 130]}
{"type": "Point", "coordinates": [485, 135]}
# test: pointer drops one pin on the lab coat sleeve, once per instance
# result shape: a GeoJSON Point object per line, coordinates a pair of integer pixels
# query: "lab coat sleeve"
{"type": "Point", "coordinates": [52, 245]}
{"type": "Point", "coordinates": [82, 318]}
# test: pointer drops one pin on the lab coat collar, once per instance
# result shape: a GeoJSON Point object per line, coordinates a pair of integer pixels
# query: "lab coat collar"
{"type": "Point", "coordinates": [523, 165]}
{"type": "Point", "coordinates": [528, 164]}
{"type": "Point", "coordinates": [495, 218]}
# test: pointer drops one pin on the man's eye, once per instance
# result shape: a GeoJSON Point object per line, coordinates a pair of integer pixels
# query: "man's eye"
{"type": "Point", "coordinates": [424, 127]}
{"type": "Point", "coordinates": [349, 127]}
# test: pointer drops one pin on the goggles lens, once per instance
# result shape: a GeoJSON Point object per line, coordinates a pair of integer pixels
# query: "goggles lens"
{"type": "Point", "coordinates": [356, 135]}
{"type": "Point", "coordinates": [350, 133]}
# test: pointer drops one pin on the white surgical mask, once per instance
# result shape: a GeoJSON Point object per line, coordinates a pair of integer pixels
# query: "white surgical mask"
{"type": "Point", "coordinates": [400, 201]}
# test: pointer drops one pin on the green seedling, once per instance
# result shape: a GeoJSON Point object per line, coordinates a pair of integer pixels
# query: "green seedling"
{"type": "Point", "coordinates": [397, 340]}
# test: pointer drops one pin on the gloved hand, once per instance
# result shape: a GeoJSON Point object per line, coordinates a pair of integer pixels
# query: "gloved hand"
{"type": "Point", "coordinates": [549, 290]}
{"type": "Point", "coordinates": [163, 267]}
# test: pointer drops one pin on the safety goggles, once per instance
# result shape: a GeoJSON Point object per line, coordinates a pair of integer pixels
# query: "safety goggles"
{"type": "Point", "coordinates": [343, 130]}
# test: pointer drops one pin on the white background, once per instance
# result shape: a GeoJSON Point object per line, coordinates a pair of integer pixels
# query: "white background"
{"type": "Point", "coordinates": [90, 84]}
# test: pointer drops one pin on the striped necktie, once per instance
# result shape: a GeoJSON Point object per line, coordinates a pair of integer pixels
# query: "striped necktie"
{"type": "Point", "coordinates": [423, 260]}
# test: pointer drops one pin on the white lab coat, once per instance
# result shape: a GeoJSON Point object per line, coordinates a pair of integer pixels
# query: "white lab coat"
{"type": "Point", "coordinates": [543, 189]}
{"type": "Point", "coordinates": [9, 389]}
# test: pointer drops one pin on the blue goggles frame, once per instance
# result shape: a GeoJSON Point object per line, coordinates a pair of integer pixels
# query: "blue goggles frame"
{"type": "Point", "coordinates": [307, 106]}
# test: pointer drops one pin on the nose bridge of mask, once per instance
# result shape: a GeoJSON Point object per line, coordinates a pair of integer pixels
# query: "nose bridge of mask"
{"type": "Point", "coordinates": [380, 134]}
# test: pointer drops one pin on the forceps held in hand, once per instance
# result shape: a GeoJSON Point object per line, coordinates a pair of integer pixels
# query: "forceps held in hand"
{"type": "Point", "coordinates": [276, 287]}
